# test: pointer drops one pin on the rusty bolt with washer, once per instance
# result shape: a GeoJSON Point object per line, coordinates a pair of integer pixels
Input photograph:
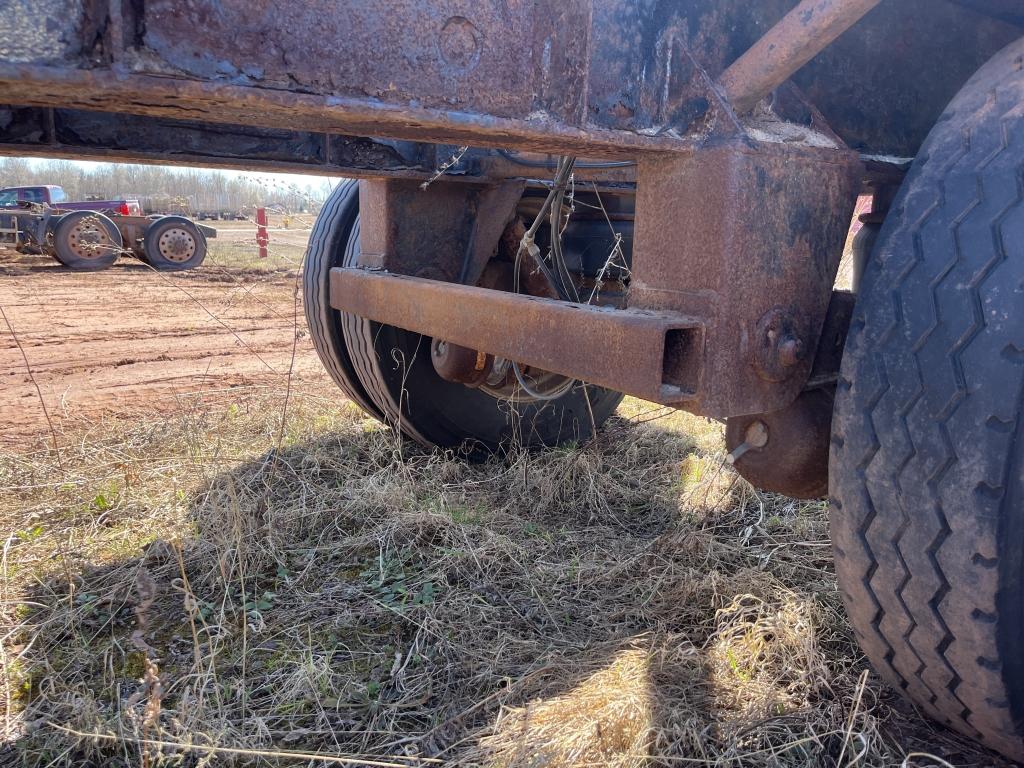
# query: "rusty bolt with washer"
{"type": "Point", "coordinates": [780, 344]}
{"type": "Point", "coordinates": [791, 351]}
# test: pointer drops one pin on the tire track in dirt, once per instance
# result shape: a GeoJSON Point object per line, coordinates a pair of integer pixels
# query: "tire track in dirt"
{"type": "Point", "coordinates": [130, 342]}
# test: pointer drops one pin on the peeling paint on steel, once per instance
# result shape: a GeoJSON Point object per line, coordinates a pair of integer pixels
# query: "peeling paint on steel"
{"type": "Point", "coordinates": [40, 31]}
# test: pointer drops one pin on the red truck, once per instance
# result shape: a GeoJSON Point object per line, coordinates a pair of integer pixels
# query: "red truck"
{"type": "Point", "coordinates": [55, 197]}
{"type": "Point", "coordinates": [89, 235]}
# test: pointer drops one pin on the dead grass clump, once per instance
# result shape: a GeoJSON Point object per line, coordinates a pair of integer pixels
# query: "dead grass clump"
{"type": "Point", "coordinates": [763, 659]}
{"type": "Point", "coordinates": [628, 602]}
{"type": "Point", "coordinates": [605, 720]}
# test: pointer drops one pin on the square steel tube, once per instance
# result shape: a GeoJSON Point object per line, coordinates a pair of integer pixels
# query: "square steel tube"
{"type": "Point", "coordinates": [652, 355]}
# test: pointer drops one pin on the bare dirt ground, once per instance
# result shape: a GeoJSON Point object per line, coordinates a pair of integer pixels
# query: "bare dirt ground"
{"type": "Point", "coordinates": [130, 341]}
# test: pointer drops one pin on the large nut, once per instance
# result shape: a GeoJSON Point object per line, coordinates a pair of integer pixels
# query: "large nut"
{"type": "Point", "coordinates": [781, 347]}
{"type": "Point", "coordinates": [460, 365]}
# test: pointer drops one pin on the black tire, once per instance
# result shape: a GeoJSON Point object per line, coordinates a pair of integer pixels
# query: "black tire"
{"type": "Point", "coordinates": [327, 243]}
{"type": "Point", "coordinates": [392, 368]}
{"type": "Point", "coordinates": [927, 460]}
{"type": "Point", "coordinates": [173, 243]}
{"type": "Point", "coordinates": [86, 241]}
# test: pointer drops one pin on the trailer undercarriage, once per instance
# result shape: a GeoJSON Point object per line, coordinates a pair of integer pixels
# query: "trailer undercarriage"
{"type": "Point", "coordinates": [725, 143]}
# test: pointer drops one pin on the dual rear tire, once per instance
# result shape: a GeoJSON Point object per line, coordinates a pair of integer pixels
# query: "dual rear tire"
{"type": "Point", "coordinates": [388, 371]}
{"type": "Point", "coordinates": [87, 241]}
{"type": "Point", "coordinates": [173, 243]}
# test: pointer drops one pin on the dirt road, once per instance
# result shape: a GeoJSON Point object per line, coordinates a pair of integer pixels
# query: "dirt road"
{"type": "Point", "coordinates": [130, 341]}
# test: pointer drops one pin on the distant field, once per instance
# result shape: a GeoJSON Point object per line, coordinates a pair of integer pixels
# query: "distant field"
{"type": "Point", "coordinates": [235, 244]}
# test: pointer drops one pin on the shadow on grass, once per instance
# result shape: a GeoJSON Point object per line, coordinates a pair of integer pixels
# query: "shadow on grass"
{"type": "Point", "coordinates": [608, 605]}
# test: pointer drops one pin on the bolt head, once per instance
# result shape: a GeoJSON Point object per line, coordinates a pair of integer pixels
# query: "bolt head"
{"type": "Point", "coordinates": [791, 352]}
{"type": "Point", "coordinates": [756, 435]}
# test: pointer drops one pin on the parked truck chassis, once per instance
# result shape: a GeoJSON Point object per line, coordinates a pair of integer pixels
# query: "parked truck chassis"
{"type": "Point", "coordinates": [91, 240]}
{"type": "Point", "coordinates": [725, 142]}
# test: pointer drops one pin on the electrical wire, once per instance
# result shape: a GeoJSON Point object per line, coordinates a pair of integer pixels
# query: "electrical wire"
{"type": "Point", "coordinates": [527, 245]}
{"type": "Point", "coordinates": [562, 389]}
{"type": "Point", "coordinates": [557, 255]}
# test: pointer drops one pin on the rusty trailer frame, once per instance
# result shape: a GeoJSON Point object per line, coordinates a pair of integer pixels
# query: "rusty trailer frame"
{"type": "Point", "coordinates": [744, 187]}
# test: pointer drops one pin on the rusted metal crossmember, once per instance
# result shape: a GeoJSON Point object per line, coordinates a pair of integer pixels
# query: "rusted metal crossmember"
{"type": "Point", "coordinates": [652, 355]}
{"type": "Point", "coordinates": [607, 78]}
{"type": "Point", "coordinates": [736, 250]}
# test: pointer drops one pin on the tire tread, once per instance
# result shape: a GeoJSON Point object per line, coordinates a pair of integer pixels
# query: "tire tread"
{"type": "Point", "coordinates": [923, 579]}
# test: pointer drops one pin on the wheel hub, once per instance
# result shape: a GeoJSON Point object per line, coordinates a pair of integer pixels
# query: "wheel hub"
{"type": "Point", "coordinates": [89, 239]}
{"type": "Point", "coordinates": [492, 375]}
{"type": "Point", "coordinates": [460, 364]}
{"type": "Point", "coordinates": [177, 245]}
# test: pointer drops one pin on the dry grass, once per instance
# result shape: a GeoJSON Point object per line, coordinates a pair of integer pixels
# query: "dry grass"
{"type": "Point", "coordinates": [234, 248]}
{"type": "Point", "coordinates": [626, 603]}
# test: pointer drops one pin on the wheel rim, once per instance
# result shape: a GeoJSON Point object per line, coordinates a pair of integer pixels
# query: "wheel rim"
{"type": "Point", "coordinates": [89, 239]}
{"type": "Point", "coordinates": [176, 244]}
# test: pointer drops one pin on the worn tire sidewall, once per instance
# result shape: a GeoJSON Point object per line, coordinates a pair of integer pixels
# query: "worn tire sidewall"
{"type": "Point", "coordinates": [76, 263]}
{"type": "Point", "coordinates": [879, 298]}
{"type": "Point", "coordinates": [151, 248]}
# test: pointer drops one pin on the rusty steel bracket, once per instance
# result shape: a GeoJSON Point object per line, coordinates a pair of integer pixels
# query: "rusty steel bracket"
{"type": "Point", "coordinates": [445, 232]}
{"type": "Point", "coordinates": [736, 251]}
{"type": "Point", "coordinates": [749, 239]}
{"type": "Point", "coordinates": [652, 355]}
{"type": "Point", "coordinates": [832, 342]}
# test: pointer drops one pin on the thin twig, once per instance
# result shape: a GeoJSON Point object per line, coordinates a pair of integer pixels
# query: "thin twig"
{"type": "Point", "coordinates": [853, 715]}
{"type": "Point", "coordinates": [291, 369]}
{"type": "Point", "coordinates": [616, 249]}
{"type": "Point", "coordinates": [451, 162]}
{"type": "Point", "coordinates": [927, 756]}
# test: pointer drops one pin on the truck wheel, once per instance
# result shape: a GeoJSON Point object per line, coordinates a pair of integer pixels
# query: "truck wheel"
{"type": "Point", "coordinates": [327, 246]}
{"type": "Point", "coordinates": [173, 243]}
{"type": "Point", "coordinates": [927, 460]}
{"type": "Point", "coordinates": [86, 241]}
{"type": "Point", "coordinates": [388, 371]}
